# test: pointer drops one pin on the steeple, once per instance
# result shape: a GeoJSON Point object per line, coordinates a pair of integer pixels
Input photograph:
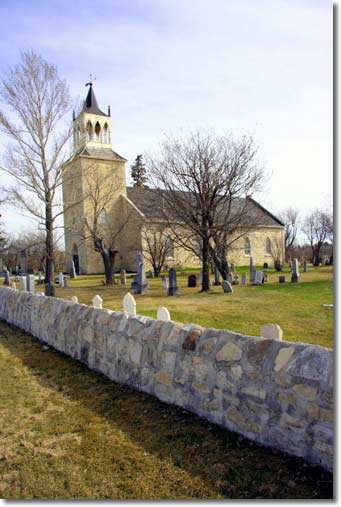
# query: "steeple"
{"type": "Point", "coordinates": [92, 127]}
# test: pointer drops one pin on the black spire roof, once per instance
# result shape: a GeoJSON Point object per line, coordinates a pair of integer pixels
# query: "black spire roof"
{"type": "Point", "coordinates": [90, 103]}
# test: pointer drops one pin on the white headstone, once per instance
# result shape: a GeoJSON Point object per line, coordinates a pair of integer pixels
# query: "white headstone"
{"type": "Point", "coordinates": [271, 331]}
{"type": "Point", "coordinates": [129, 304]}
{"type": "Point", "coordinates": [61, 279]}
{"type": "Point", "coordinates": [97, 301]}
{"type": "Point", "coordinates": [74, 299]}
{"type": "Point", "coordinates": [163, 314]}
{"type": "Point", "coordinates": [14, 287]}
{"type": "Point", "coordinates": [23, 283]}
{"type": "Point", "coordinates": [30, 283]}
{"type": "Point", "coordinates": [123, 277]}
{"type": "Point", "coordinates": [226, 286]}
{"type": "Point", "coordinates": [259, 278]}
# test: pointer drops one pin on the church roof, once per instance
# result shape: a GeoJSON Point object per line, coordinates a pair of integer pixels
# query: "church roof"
{"type": "Point", "coordinates": [147, 200]}
{"type": "Point", "coordinates": [90, 103]}
{"type": "Point", "coordinates": [106, 153]}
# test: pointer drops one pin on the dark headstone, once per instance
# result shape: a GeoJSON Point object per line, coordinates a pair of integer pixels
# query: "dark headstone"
{"type": "Point", "coordinates": [7, 279]}
{"type": "Point", "coordinates": [172, 288]}
{"type": "Point", "coordinates": [141, 280]}
{"type": "Point", "coordinates": [49, 290]}
{"type": "Point", "coordinates": [192, 281]}
{"type": "Point", "coordinates": [265, 265]}
{"type": "Point", "coordinates": [226, 286]}
{"type": "Point", "coordinates": [281, 279]}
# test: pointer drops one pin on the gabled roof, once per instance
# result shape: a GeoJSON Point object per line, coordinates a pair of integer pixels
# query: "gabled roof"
{"type": "Point", "coordinates": [90, 103]}
{"type": "Point", "coordinates": [149, 202]}
{"type": "Point", "coordinates": [102, 153]}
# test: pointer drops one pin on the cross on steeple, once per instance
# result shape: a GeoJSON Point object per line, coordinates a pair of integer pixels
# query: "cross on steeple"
{"type": "Point", "coordinates": [91, 80]}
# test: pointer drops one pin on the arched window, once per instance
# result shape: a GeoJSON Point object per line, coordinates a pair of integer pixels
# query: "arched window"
{"type": "Point", "coordinates": [106, 134]}
{"type": "Point", "coordinates": [103, 216]}
{"type": "Point", "coordinates": [247, 246]}
{"type": "Point", "coordinates": [196, 246]}
{"type": "Point", "coordinates": [169, 247]}
{"type": "Point", "coordinates": [89, 131]}
{"type": "Point", "coordinates": [98, 131]}
{"type": "Point", "coordinates": [268, 246]}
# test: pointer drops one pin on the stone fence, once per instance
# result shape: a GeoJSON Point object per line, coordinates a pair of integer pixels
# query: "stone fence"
{"type": "Point", "coordinates": [274, 392]}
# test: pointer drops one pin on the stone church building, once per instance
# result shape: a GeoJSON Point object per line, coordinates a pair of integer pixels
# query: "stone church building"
{"type": "Point", "coordinates": [92, 161]}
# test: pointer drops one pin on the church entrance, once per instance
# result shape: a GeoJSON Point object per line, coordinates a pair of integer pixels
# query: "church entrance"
{"type": "Point", "coordinates": [75, 259]}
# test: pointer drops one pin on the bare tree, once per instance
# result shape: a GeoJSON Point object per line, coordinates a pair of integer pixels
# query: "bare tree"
{"type": "Point", "coordinates": [318, 227]}
{"type": "Point", "coordinates": [206, 184]}
{"type": "Point", "coordinates": [107, 215]}
{"type": "Point", "coordinates": [154, 239]}
{"type": "Point", "coordinates": [37, 101]}
{"type": "Point", "coordinates": [290, 218]}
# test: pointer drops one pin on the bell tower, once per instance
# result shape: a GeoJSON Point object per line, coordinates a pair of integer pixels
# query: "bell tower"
{"type": "Point", "coordinates": [92, 127]}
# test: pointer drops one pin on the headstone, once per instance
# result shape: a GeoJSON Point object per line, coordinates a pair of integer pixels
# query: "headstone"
{"type": "Point", "coordinates": [252, 274]}
{"type": "Point", "coordinates": [233, 267]}
{"type": "Point", "coordinates": [173, 288]}
{"type": "Point", "coordinates": [65, 282]}
{"type": "Point", "coordinates": [295, 274]}
{"type": "Point", "coordinates": [200, 276]}
{"type": "Point", "coordinates": [226, 286]}
{"type": "Point", "coordinates": [129, 304]}
{"type": "Point", "coordinates": [216, 276]}
{"type": "Point", "coordinates": [271, 332]}
{"type": "Point", "coordinates": [163, 314]}
{"type": "Point", "coordinates": [49, 290]}
{"type": "Point", "coordinates": [123, 278]}
{"type": "Point", "coordinates": [150, 274]}
{"type": "Point", "coordinates": [265, 265]}
{"type": "Point", "coordinates": [266, 277]}
{"type": "Point", "coordinates": [243, 279]}
{"type": "Point", "coordinates": [164, 282]}
{"type": "Point", "coordinates": [14, 287]}
{"type": "Point", "coordinates": [30, 283]}
{"type": "Point", "coordinates": [259, 278]}
{"type": "Point", "coordinates": [23, 283]}
{"type": "Point", "coordinates": [236, 280]}
{"type": "Point", "coordinates": [73, 270]}
{"type": "Point", "coordinates": [281, 279]}
{"type": "Point", "coordinates": [229, 278]}
{"type": "Point", "coordinates": [192, 281]}
{"type": "Point", "coordinates": [139, 259]}
{"type": "Point", "coordinates": [97, 301]}
{"type": "Point", "coordinates": [60, 279]}
{"type": "Point", "coordinates": [305, 266]}
{"type": "Point", "coordinates": [7, 279]}
{"type": "Point", "coordinates": [74, 299]}
{"type": "Point", "coordinates": [141, 280]}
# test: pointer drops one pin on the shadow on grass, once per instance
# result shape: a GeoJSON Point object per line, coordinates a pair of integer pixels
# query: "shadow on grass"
{"type": "Point", "coordinates": [234, 466]}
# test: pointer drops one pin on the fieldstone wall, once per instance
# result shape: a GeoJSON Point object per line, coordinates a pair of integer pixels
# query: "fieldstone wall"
{"type": "Point", "coordinates": [274, 392]}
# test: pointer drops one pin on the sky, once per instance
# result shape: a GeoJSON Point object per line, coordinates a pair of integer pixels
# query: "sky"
{"type": "Point", "coordinates": [254, 67]}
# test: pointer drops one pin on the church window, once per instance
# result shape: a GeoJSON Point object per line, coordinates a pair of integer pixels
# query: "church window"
{"type": "Point", "coordinates": [98, 131]}
{"type": "Point", "coordinates": [89, 131]}
{"type": "Point", "coordinates": [106, 134]}
{"type": "Point", "coordinates": [247, 246]}
{"type": "Point", "coordinates": [169, 247]}
{"type": "Point", "coordinates": [103, 216]}
{"type": "Point", "coordinates": [268, 246]}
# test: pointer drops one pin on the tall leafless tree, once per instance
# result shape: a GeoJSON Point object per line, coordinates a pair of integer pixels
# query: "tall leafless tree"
{"type": "Point", "coordinates": [35, 102]}
{"type": "Point", "coordinates": [107, 214]}
{"type": "Point", "coordinates": [318, 227]}
{"type": "Point", "coordinates": [206, 186]}
{"type": "Point", "coordinates": [154, 250]}
{"type": "Point", "coordinates": [290, 218]}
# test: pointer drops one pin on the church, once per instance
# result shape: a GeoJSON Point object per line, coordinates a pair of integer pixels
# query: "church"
{"type": "Point", "coordinates": [94, 182]}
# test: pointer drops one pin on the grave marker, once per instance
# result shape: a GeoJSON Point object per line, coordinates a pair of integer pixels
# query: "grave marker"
{"type": "Point", "coordinates": [164, 282]}
{"type": "Point", "coordinates": [65, 282]}
{"type": "Point", "coordinates": [192, 281]}
{"type": "Point", "coordinates": [123, 278]}
{"type": "Point", "coordinates": [173, 288]}
{"type": "Point", "coordinates": [226, 286]}
{"type": "Point", "coordinates": [97, 301]}
{"type": "Point", "coordinates": [295, 274]}
{"type": "Point", "coordinates": [61, 279]}
{"type": "Point", "coordinates": [7, 279]}
{"type": "Point", "coordinates": [129, 304]}
{"type": "Point", "coordinates": [243, 278]}
{"type": "Point", "coordinates": [259, 278]}
{"type": "Point", "coordinates": [23, 283]}
{"type": "Point", "coordinates": [49, 290]}
{"type": "Point", "coordinates": [305, 266]}
{"type": "Point", "coordinates": [281, 279]}
{"type": "Point", "coordinates": [30, 283]}
{"type": "Point", "coordinates": [163, 314]}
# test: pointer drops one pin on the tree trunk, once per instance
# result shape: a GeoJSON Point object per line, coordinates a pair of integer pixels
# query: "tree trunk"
{"type": "Point", "coordinates": [49, 272]}
{"type": "Point", "coordinates": [109, 267]}
{"type": "Point", "coordinates": [205, 266]}
{"type": "Point", "coordinates": [221, 263]}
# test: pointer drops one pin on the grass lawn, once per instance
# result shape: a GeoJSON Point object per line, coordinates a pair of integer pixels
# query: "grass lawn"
{"type": "Point", "coordinates": [297, 308]}
{"type": "Point", "coordinates": [69, 433]}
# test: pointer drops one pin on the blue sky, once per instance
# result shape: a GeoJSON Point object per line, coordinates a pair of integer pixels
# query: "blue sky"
{"type": "Point", "coordinates": [246, 66]}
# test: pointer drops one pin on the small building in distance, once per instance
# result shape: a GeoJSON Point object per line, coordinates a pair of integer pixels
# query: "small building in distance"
{"type": "Point", "coordinates": [94, 162]}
